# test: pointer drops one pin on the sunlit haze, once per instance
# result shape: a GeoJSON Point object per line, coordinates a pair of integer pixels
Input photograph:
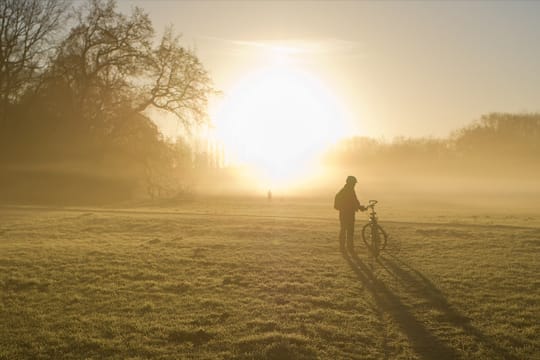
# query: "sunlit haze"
{"type": "Point", "coordinates": [295, 76]}
{"type": "Point", "coordinates": [269, 180]}
{"type": "Point", "coordinates": [279, 120]}
{"type": "Point", "coordinates": [402, 68]}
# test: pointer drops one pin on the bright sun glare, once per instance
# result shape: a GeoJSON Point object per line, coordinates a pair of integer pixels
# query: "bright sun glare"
{"type": "Point", "coordinates": [278, 121]}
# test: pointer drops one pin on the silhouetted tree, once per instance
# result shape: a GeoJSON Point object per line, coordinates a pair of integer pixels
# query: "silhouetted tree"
{"type": "Point", "coordinates": [177, 81]}
{"type": "Point", "coordinates": [90, 112]}
{"type": "Point", "coordinates": [100, 62]}
{"type": "Point", "coordinates": [108, 62]}
{"type": "Point", "coordinates": [27, 34]}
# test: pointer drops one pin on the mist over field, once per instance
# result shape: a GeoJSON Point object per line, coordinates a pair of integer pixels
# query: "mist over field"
{"type": "Point", "coordinates": [494, 159]}
{"type": "Point", "coordinates": [140, 220]}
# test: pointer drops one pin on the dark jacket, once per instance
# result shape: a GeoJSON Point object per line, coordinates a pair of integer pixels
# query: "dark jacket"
{"type": "Point", "coordinates": [346, 200]}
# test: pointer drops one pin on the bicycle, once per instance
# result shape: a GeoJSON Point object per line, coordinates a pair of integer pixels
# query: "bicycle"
{"type": "Point", "coordinates": [373, 234]}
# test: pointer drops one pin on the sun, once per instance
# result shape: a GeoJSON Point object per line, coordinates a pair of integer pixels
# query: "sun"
{"type": "Point", "coordinates": [279, 120]}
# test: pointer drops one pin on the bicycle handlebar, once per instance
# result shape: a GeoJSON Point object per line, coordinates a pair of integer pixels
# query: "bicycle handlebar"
{"type": "Point", "coordinates": [371, 204]}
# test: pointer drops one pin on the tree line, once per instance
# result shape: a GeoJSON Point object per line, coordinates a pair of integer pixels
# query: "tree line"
{"type": "Point", "coordinates": [76, 86]}
{"type": "Point", "coordinates": [498, 145]}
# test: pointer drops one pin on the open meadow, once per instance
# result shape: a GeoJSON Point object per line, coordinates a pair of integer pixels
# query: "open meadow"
{"type": "Point", "coordinates": [170, 173]}
{"type": "Point", "coordinates": [253, 279]}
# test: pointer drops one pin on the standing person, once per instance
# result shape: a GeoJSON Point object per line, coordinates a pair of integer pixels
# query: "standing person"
{"type": "Point", "coordinates": [347, 203]}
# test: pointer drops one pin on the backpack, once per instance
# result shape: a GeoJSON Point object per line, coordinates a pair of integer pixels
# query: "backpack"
{"type": "Point", "coordinates": [338, 200]}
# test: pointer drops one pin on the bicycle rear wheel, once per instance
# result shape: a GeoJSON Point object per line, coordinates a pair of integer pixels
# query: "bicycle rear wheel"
{"type": "Point", "coordinates": [375, 238]}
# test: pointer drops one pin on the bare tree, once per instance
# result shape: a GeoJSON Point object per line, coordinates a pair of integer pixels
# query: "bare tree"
{"type": "Point", "coordinates": [109, 63]}
{"type": "Point", "coordinates": [178, 82]}
{"type": "Point", "coordinates": [102, 58]}
{"type": "Point", "coordinates": [98, 83]}
{"type": "Point", "coordinates": [27, 29]}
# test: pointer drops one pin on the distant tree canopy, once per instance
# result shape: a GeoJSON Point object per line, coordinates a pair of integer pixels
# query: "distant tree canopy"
{"type": "Point", "coordinates": [501, 144]}
{"type": "Point", "coordinates": [76, 85]}
{"type": "Point", "coordinates": [514, 137]}
{"type": "Point", "coordinates": [77, 98]}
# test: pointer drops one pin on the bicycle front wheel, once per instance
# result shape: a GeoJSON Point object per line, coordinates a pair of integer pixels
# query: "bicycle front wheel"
{"type": "Point", "coordinates": [375, 238]}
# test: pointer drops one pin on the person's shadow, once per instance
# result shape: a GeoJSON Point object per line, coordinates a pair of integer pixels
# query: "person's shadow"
{"type": "Point", "coordinates": [425, 343]}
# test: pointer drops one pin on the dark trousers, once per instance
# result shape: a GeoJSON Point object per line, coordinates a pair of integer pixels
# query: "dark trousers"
{"type": "Point", "coordinates": [346, 231]}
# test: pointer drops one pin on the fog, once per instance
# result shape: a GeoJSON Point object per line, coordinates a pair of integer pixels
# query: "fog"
{"type": "Point", "coordinates": [75, 127]}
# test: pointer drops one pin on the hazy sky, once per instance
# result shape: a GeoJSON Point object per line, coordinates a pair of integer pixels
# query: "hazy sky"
{"type": "Point", "coordinates": [398, 68]}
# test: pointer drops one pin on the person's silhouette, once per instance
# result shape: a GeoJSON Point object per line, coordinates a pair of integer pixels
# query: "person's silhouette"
{"type": "Point", "coordinates": [347, 203]}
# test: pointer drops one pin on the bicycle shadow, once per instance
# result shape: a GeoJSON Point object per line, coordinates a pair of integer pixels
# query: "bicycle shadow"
{"type": "Point", "coordinates": [421, 286]}
{"type": "Point", "coordinates": [423, 342]}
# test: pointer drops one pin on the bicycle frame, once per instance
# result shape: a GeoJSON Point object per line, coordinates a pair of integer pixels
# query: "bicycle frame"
{"type": "Point", "coordinates": [373, 234]}
{"type": "Point", "coordinates": [372, 214]}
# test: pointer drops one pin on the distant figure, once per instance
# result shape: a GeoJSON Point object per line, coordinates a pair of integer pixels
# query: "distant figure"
{"type": "Point", "coordinates": [347, 203]}
{"type": "Point", "coordinates": [269, 195]}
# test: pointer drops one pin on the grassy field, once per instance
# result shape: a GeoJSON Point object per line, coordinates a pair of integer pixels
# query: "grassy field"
{"type": "Point", "coordinates": [217, 279]}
